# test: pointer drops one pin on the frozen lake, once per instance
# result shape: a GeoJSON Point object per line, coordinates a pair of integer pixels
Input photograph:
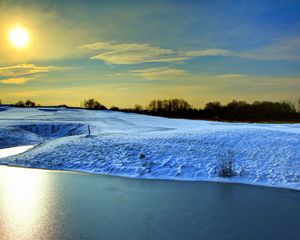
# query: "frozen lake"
{"type": "Point", "coordinates": [41, 204]}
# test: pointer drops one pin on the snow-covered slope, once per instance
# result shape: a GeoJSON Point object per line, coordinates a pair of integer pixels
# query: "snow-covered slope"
{"type": "Point", "coordinates": [151, 147]}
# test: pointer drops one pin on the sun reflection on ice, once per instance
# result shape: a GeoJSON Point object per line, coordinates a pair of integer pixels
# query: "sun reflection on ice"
{"type": "Point", "coordinates": [6, 152]}
{"type": "Point", "coordinates": [21, 201]}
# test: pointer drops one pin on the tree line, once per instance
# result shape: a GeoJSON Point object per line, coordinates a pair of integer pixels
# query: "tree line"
{"type": "Point", "coordinates": [27, 103]}
{"type": "Point", "coordinates": [258, 111]}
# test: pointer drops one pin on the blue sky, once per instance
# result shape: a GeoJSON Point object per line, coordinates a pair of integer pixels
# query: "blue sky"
{"type": "Point", "coordinates": [127, 52]}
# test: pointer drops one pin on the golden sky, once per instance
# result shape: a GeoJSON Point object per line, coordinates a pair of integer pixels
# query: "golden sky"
{"type": "Point", "coordinates": [61, 52]}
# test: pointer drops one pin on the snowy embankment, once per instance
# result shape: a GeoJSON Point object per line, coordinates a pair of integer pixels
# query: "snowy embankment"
{"type": "Point", "coordinates": [152, 147]}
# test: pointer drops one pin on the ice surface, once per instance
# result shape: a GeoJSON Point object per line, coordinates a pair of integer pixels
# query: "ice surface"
{"type": "Point", "coordinates": [142, 146]}
{"type": "Point", "coordinates": [7, 152]}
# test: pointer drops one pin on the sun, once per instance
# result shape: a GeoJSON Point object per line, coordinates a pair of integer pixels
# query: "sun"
{"type": "Point", "coordinates": [19, 37]}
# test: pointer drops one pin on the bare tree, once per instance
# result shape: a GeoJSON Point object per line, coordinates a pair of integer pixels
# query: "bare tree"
{"type": "Point", "coordinates": [169, 105]}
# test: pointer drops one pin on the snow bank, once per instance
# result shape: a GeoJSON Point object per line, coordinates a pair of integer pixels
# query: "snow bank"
{"type": "Point", "coordinates": [54, 129]}
{"type": "Point", "coordinates": [11, 136]}
{"type": "Point", "coordinates": [153, 147]}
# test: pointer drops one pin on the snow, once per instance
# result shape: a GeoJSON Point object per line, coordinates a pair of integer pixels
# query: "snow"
{"type": "Point", "coordinates": [140, 146]}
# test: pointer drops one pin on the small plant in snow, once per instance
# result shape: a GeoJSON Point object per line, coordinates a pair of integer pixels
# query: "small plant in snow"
{"type": "Point", "coordinates": [147, 164]}
{"type": "Point", "coordinates": [226, 165]}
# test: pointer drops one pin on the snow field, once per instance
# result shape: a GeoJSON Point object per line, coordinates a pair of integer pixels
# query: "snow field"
{"type": "Point", "coordinates": [151, 147]}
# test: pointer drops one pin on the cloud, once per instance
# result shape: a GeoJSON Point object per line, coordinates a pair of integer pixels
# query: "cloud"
{"type": "Point", "coordinates": [130, 53]}
{"type": "Point", "coordinates": [167, 73]}
{"type": "Point", "coordinates": [206, 52]}
{"type": "Point", "coordinates": [22, 73]}
{"type": "Point", "coordinates": [159, 73]}
{"type": "Point", "coordinates": [136, 53]}
{"type": "Point", "coordinates": [226, 76]}
{"type": "Point", "coordinates": [23, 69]}
{"type": "Point", "coordinates": [176, 74]}
{"type": "Point", "coordinates": [218, 81]}
{"type": "Point", "coordinates": [134, 57]}
{"type": "Point", "coordinates": [283, 50]}
{"type": "Point", "coordinates": [116, 53]}
{"type": "Point", "coordinates": [17, 80]}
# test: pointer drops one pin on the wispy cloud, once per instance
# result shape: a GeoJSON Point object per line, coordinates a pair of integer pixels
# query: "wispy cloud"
{"type": "Point", "coordinates": [230, 76]}
{"type": "Point", "coordinates": [167, 73]}
{"type": "Point", "coordinates": [22, 73]}
{"type": "Point", "coordinates": [159, 73]}
{"type": "Point", "coordinates": [17, 80]}
{"type": "Point", "coordinates": [130, 53]}
{"type": "Point", "coordinates": [136, 53]}
{"type": "Point", "coordinates": [206, 52]}
{"type": "Point", "coordinates": [282, 50]}
{"type": "Point", "coordinates": [217, 80]}
{"type": "Point", "coordinates": [24, 69]}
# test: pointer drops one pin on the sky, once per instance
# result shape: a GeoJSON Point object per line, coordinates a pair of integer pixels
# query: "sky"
{"type": "Point", "coordinates": [128, 52]}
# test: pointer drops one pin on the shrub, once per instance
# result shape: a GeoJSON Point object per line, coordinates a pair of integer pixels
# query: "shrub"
{"type": "Point", "coordinates": [138, 108]}
{"type": "Point", "coordinates": [20, 104]}
{"type": "Point", "coordinates": [113, 108]}
{"type": "Point", "coordinates": [29, 103]}
{"type": "Point", "coordinates": [93, 104]}
{"type": "Point", "coordinates": [226, 165]}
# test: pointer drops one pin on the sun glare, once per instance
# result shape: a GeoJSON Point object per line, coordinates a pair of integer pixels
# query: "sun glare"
{"type": "Point", "coordinates": [19, 37]}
